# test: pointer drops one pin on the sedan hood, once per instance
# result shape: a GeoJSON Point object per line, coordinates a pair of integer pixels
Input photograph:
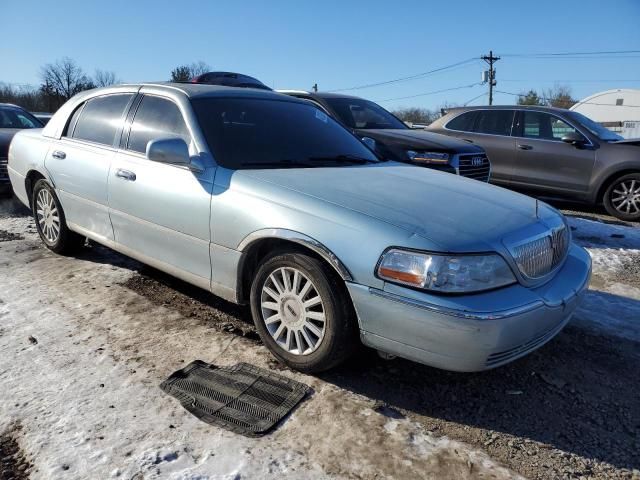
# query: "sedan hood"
{"type": "Point", "coordinates": [628, 141]}
{"type": "Point", "coordinates": [420, 140]}
{"type": "Point", "coordinates": [456, 214]}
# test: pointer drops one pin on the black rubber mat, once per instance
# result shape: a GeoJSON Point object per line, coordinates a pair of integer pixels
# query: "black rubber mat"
{"type": "Point", "coordinates": [242, 398]}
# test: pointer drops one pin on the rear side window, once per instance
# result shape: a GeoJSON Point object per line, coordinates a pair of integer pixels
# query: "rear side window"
{"type": "Point", "coordinates": [100, 119]}
{"type": "Point", "coordinates": [156, 118]}
{"type": "Point", "coordinates": [494, 122]}
{"type": "Point", "coordinates": [463, 123]}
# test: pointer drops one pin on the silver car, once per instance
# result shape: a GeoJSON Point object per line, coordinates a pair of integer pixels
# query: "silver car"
{"type": "Point", "coordinates": [262, 198]}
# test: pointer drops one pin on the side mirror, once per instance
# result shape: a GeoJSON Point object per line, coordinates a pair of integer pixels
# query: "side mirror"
{"type": "Point", "coordinates": [369, 142]}
{"type": "Point", "coordinates": [168, 150]}
{"type": "Point", "coordinates": [574, 138]}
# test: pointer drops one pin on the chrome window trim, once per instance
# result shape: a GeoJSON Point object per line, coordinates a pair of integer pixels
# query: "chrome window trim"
{"type": "Point", "coordinates": [511, 135]}
{"type": "Point", "coordinates": [458, 313]}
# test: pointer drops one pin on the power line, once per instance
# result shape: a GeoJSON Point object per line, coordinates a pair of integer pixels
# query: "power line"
{"type": "Point", "coordinates": [431, 93]}
{"type": "Point", "coordinates": [528, 80]}
{"type": "Point", "coordinates": [581, 103]}
{"type": "Point", "coordinates": [474, 98]}
{"type": "Point", "coordinates": [404, 79]}
{"type": "Point", "coordinates": [565, 54]}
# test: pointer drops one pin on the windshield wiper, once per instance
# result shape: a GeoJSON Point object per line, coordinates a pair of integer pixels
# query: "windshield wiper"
{"type": "Point", "coordinates": [344, 159]}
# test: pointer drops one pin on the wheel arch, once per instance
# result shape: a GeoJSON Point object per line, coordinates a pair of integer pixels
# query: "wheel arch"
{"type": "Point", "coordinates": [257, 245]}
{"type": "Point", "coordinates": [30, 180]}
{"type": "Point", "coordinates": [612, 177]}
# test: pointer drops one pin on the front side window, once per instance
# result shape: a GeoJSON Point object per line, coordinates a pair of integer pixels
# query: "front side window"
{"type": "Point", "coordinates": [494, 122]}
{"type": "Point", "coordinates": [156, 118]}
{"type": "Point", "coordinates": [262, 133]}
{"type": "Point", "coordinates": [363, 114]}
{"type": "Point", "coordinates": [544, 126]}
{"type": "Point", "coordinates": [101, 119]}
{"type": "Point", "coordinates": [595, 128]}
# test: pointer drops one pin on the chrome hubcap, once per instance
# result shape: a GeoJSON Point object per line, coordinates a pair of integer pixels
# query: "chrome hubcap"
{"type": "Point", "coordinates": [48, 216]}
{"type": "Point", "coordinates": [293, 311]}
{"type": "Point", "coordinates": [626, 197]}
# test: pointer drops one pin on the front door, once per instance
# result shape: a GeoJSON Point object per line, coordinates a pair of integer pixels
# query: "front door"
{"type": "Point", "coordinates": [78, 163]}
{"type": "Point", "coordinates": [544, 162]}
{"type": "Point", "coordinates": [160, 212]}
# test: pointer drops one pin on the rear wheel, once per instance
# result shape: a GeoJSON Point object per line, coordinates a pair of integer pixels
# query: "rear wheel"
{"type": "Point", "coordinates": [622, 198]}
{"type": "Point", "coordinates": [50, 220]}
{"type": "Point", "coordinates": [302, 312]}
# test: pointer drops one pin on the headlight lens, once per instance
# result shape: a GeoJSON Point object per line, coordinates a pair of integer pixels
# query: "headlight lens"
{"type": "Point", "coordinates": [444, 273]}
{"type": "Point", "coordinates": [428, 157]}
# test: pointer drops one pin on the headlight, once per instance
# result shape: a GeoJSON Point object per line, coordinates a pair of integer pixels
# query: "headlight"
{"type": "Point", "coordinates": [428, 157]}
{"type": "Point", "coordinates": [444, 273]}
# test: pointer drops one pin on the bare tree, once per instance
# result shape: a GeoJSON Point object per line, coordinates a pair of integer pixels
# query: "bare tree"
{"type": "Point", "coordinates": [63, 79]}
{"type": "Point", "coordinates": [184, 73]}
{"type": "Point", "coordinates": [530, 98]}
{"type": "Point", "coordinates": [104, 78]}
{"type": "Point", "coordinates": [559, 96]}
{"type": "Point", "coordinates": [416, 115]}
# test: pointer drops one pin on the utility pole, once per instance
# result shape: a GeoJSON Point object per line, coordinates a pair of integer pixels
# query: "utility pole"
{"type": "Point", "coordinates": [315, 87]}
{"type": "Point", "coordinates": [490, 59]}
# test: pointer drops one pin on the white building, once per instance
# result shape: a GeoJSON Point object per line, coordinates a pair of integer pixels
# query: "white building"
{"type": "Point", "coordinates": [618, 110]}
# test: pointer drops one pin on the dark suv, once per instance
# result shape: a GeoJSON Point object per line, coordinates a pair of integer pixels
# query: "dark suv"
{"type": "Point", "coordinates": [554, 153]}
{"type": "Point", "coordinates": [12, 120]}
{"type": "Point", "coordinates": [392, 139]}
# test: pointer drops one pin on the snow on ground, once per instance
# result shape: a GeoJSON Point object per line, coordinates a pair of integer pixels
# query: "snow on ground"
{"type": "Point", "coordinates": [81, 361]}
{"type": "Point", "coordinates": [613, 302]}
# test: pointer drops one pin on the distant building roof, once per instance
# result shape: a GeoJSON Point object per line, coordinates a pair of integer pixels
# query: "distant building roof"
{"type": "Point", "coordinates": [619, 105]}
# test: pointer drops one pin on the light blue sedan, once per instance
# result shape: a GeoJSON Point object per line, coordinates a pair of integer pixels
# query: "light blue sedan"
{"type": "Point", "coordinates": [261, 198]}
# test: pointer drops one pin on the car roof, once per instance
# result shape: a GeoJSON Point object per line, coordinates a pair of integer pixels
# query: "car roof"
{"type": "Point", "coordinates": [506, 107]}
{"type": "Point", "coordinates": [319, 94]}
{"type": "Point", "coordinates": [201, 90]}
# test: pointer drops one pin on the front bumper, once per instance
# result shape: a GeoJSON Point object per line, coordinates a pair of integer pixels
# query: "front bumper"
{"type": "Point", "coordinates": [472, 332]}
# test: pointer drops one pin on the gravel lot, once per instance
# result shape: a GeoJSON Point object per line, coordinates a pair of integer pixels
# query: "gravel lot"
{"type": "Point", "coordinates": [110, 330]}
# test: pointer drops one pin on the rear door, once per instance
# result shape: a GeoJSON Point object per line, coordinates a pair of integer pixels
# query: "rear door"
{"type": "Point", "coordinates": [160, 212]}
{"type": "Point", "coordinates": [491, 130]}
{"type": "Point", "coordinates": [544, 162]}
{"type": "Point", "coordinates": [78, 163]}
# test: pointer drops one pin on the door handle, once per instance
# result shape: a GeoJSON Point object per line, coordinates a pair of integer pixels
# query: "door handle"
{"type": "Point", "coordinates": [126, 174]}
{"type": "Point", "coordinates": [60, 155]}
{"type": "Point", "coordinates": [525, 147]}
{"type": "Point", "coordinates": [467, 140]}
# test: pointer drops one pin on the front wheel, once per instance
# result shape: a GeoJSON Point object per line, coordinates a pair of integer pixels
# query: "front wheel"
{"type": "Point", "coordinates": [302, 312]}
{"type": "Point", "coordinates": [50, 220]}
{"type": "Point", "coordinates": [622, 198]}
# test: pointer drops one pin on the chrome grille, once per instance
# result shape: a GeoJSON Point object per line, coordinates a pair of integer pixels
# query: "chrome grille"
{"type": "Point", "coordinates": [539, 257]}
{"type": "Point", "coordinates": [4, 173]}
{"type": "Point", "coordinates": [475, 166]}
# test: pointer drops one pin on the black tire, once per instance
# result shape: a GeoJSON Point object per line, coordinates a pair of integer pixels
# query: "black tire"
{"type": "Point", "coordinates": [66, 241]}
{"type": "Point", "coordinates": [615, 192]}
{"type": "Point", "coordinates": [341, 330]}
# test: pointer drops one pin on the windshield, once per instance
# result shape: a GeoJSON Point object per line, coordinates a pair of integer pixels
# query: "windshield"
{"type": "Point", "coordinates": [595, 128]}
{"type": "Point", "coordinates": [262, 133]}
{"type": "Point", "coordinates": [363, 114]}
{"type": "Point", "coordinates": [12, 117]}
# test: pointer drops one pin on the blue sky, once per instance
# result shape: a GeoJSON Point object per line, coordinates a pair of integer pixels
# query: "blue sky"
{"type": "Point", "coordinates": [289, 44]}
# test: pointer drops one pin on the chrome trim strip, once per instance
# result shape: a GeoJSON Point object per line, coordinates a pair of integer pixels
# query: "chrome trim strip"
{"type": "Point", "coordinates": [468, 315]}
{"type": "Point", "coordinates": [301, 239]}
{"type": "Point", "coordinates": [513, 124]}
